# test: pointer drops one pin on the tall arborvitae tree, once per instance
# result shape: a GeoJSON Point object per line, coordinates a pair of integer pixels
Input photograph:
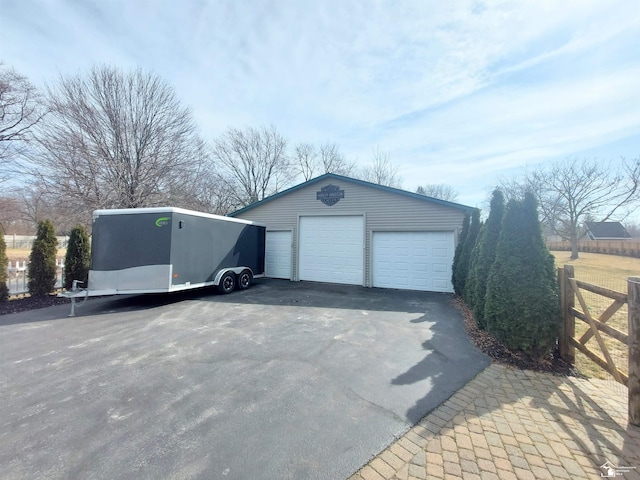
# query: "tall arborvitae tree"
{"type": "Point", "coordinates": [42, 261]}
{"type": "Point", "coordinates": [456, 257]}
{"type": "Point", "coordinates": [78, 257]}
{"type": "Point", "coordinates": [464, 261]}
{"type": "Point", "coordinates": [486, 254]}
{"type": "Point", "coordinates": [4, 290]}
{"type": "Point", "coordinates": [472, 280]}
{"type": "Point", "coordinates": [522, 304]}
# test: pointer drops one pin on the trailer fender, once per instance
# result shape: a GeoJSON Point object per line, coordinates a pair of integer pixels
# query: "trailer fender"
{"type": "Point", "coordinates": [235, 270]}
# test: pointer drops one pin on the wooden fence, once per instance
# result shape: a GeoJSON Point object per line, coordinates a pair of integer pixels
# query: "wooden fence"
{"type": "Point", "coordinates": [626, 248]}
{"type": "Point", "coordinates": [570, 290]}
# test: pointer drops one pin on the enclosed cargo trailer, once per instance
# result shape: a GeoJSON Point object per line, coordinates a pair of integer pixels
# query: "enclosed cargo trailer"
{"type": "Point", "coordinates": [167, 249]}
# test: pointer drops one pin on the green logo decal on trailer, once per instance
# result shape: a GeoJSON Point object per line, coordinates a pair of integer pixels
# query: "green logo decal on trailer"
{"type": "Point", "coordinates": [162, 221]}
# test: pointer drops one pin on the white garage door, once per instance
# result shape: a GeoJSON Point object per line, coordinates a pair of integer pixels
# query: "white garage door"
{"type": "Point", "coordinates": [331, 249]}
{"type": "Point", "coordinates": [278, 255]}
{"type": "Point", "coordinates": [413, 260]}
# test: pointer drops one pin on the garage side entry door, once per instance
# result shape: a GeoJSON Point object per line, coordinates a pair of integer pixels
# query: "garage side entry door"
{"type": "Point", "coordinates": [331, 249]}
{"type": "Point", "coordinates": [413, 260]}
{"type": "Point", "coordinates": [278, 254]}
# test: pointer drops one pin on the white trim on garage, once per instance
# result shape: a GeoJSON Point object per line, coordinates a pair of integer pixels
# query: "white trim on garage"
{"type": "Point", "coordinates": [278, 254]}
{"type": "Point", "coordinates": [331, 249]}
{"type": "Point", "coordinates": [412, 260]}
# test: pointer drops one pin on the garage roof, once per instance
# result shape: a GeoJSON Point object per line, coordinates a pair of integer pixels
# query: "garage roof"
{"type": "Point", "coordinates": [333, 176]}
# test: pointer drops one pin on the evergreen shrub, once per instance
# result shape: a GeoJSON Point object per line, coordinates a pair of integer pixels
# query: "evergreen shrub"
{"type": "Point", "coordinates": [486, 254]}
{"type": "Point", "coordinates": [4, 289]}
{"type": "Point", "coordinates": [78, 257]}
{"type": "Point", "coordinates": [42, 260]}
{"type": "Point", "coordinates": [522, 303]}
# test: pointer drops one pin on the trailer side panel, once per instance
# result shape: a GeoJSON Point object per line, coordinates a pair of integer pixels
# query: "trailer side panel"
{"type": "Point", "coordinates": [201, 247]}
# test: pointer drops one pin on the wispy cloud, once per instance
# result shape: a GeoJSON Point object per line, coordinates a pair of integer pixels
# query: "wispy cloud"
{"type": "Point", "coordinates": [458, 92]}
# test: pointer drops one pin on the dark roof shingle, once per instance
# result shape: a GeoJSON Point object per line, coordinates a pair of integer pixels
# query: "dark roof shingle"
{"type": "Point", "coordinates": [606, 230]}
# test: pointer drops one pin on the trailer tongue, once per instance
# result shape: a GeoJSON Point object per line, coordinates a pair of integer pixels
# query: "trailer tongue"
{"type": "Point", "coordinates": [167, 249]}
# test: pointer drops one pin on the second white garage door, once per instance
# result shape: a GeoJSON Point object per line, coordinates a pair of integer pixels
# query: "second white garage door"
{"type": "Point", "coordinates": [331, 249]}
{"type": "Point", "coordinates": [412, 260]}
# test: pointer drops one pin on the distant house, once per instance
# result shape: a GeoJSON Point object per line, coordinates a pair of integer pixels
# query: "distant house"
{"type": "Point", "coordinates": [606, 231]}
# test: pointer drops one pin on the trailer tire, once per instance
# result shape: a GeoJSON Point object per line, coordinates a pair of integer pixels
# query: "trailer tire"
{"type": "Point", "coordinates": [245, 279]}
{"type": "Point", "coordinates": [227, 283]}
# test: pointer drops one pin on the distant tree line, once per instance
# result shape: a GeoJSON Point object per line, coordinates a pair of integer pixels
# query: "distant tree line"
{"type": "Point", "coordinates": [108, 138]}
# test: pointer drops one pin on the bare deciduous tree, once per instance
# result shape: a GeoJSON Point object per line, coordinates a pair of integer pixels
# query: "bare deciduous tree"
{"type": "Point", "coordinates": [305, 160]}
{"type": "Point", "coordinates": [118, 140]}
{"type": "Point", "coordinates": [382, 171]}
{"type": "Point", "coordinates": [35, 203]}
{"type": "Point", "coordinates": [20, 110]}
{"type": "Point", "coordinates": [333, 160]}
{"type": "Point", "coordinates": [10, 217]}
{"type": "Point", "coordinates": [633, 229]}
{"type": "Point", "coordinates": [214, 193]}
{"type": "Point", "coordinates": [310, 161]}
{"type": "Point", "coordinates": [255, 162]}
{"type": "Point", "coordinates": [439, 190]}
{"type": "Point", "coordinates": [574, 191]}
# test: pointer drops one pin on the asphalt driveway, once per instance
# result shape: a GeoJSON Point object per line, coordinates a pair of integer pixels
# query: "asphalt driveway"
{"type": "Point", "coordinates": [282, 381]}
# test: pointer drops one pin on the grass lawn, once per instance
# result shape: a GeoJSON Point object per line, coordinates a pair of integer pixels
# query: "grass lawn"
{"type": "Point", "coordinates": [595, 266]}
{"type": "Point", "coordinates": [609, 271]}
{"type": "Point", "coordinates": [22, 254]}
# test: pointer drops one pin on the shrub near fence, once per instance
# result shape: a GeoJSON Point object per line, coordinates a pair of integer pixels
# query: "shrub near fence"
{"type": "Point", "coordinates": [624, 248]}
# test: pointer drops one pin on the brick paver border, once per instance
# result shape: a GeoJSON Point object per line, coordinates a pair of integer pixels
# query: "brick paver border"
{"type": "Point", "coordinates": [517, 424]}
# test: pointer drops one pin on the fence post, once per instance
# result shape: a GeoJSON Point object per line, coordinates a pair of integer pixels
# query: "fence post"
{"type": "Point", "coordinates": [633, 298]}
{"type": "Point", "coordinates": [567, 302]}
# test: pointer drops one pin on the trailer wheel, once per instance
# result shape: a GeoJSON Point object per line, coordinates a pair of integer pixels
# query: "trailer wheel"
{"type": "Point", "coordinates": [244, 279]}
{"type": "Point", "coordinates": [227, 283]}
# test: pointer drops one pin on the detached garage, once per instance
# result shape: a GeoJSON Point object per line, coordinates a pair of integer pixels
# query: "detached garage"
{"type": "Point", "coordinates": [342, 230]}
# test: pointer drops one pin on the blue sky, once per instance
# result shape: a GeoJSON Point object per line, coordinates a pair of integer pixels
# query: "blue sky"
{"type": "Point", "coordinates": [459, 92]}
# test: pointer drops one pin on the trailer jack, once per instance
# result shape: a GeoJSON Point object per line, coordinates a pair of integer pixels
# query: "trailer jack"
{"type": "Point", "coordinates": [74, 294]}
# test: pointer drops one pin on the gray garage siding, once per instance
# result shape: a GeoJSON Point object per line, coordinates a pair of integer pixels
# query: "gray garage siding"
{"type": "Point", "coordinates": [383, 209]}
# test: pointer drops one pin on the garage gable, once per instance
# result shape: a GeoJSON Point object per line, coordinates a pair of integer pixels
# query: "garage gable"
{"type": "Point", "coordinates": [331, 192]}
